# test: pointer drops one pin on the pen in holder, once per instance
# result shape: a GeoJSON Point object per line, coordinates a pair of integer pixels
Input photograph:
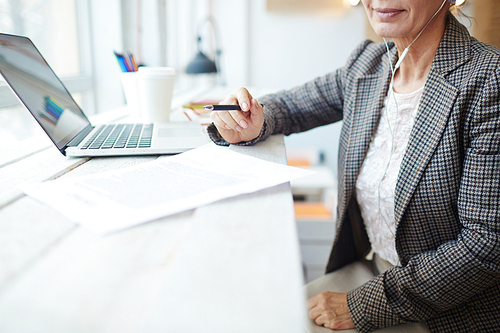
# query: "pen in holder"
{"type": "Point", "coordinates": [129, 69]}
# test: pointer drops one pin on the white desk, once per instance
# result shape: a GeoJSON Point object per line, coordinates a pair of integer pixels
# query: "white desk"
{"type": "Point", "coordinates": [232, 266]}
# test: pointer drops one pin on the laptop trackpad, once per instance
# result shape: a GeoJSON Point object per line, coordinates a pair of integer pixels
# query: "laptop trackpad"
{"type": "Point", "coordinates": [180, 135]}
{"type": "Point", "coordinates": [177, 132]}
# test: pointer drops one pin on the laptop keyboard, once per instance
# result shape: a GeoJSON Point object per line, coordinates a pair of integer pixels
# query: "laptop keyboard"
{"type": "Point", "coordinates": [121, 136]}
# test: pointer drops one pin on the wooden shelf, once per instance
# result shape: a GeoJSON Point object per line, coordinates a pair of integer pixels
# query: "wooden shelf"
{"type": "Point", "coordinates": [311, 211]}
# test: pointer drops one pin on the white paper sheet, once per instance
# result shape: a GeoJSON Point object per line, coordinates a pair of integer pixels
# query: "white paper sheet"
{"type": "Point", "coordinates": [116, 200]}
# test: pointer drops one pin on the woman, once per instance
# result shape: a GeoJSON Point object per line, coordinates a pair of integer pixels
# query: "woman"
{"type": "Point", "coordinates": [419, 171]}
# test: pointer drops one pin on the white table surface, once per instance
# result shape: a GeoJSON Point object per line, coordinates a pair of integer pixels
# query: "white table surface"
{"type": "Point", "coordinates": [232, 266]}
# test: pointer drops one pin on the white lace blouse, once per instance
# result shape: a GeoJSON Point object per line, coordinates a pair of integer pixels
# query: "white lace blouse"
{"type": "Point", "coordinates": [377, 179]}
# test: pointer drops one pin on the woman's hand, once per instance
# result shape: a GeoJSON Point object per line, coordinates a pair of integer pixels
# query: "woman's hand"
{"type": "Point", "coordinates": [238, 126]}
{"type": "Point", "coordinates": [330, 310]}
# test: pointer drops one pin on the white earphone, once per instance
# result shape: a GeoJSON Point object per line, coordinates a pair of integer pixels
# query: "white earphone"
{"type": "Point", "coordinates": [405, 51]}
{"type": "Point", "coordinates": [403, 55]}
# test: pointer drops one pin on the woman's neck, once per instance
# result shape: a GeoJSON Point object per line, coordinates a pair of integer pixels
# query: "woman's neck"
{"type": "Point", "coordinates": [414, 69]}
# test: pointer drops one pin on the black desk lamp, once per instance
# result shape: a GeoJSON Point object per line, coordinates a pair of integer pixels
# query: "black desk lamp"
{"type": "Point", "coordinates": [201, 63]}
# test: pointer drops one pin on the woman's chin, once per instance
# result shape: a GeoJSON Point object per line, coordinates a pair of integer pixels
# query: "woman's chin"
{"type": "Point", "coordinates": [386, 33]}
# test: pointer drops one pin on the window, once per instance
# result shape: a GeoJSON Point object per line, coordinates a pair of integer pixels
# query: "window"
{"type": "Point", "coordinates": [53, 26]}
{"type": "Point", "coordinates": [164, 32]}
{"type": "Point", "coordinates": [185, 21]}
{"type": "Point", "coordinates": [57, 29]}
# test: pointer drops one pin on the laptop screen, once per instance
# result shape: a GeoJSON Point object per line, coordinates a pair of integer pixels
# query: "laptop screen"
{"type": "Point", "coordinates": [39, 89]}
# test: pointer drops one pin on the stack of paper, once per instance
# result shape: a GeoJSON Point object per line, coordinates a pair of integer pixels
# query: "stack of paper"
{"type": "Point", "coordinates": [111, 201]}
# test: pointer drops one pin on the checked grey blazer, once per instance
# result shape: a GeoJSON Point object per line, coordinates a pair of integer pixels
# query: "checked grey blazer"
{"type": "Point", "coordinates": [447, 202]}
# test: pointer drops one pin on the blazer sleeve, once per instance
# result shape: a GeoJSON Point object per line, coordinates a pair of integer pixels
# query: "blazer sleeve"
{"type": "Point", "coordinates": [461, 270]}
{"type": "Point", "coordinates": [316, 103]}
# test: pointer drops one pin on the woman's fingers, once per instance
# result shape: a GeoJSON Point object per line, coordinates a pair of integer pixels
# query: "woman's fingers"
{"type": "Point", "coordinates": [330, 310]}
{"type": "Point", "coordinates": [231, 99]}
{"type": "Point", "coordinates": [232, 118]}
{"type": "Point", "coordinates": [244, 98]}
{"type": "Point", "coordinates": [236, 126]}
{"type": "Point", "coordinates": [236, 120]}
{"type": "Point", "coordinates": [216, 119]}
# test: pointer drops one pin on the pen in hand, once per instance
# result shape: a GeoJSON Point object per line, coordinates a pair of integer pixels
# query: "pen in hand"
{"type": "Point", "coordinates": [222, 107]}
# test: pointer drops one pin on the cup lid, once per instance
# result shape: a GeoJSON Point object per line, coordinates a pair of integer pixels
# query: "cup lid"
{"type": "Point", "coordinates": [157, 71]}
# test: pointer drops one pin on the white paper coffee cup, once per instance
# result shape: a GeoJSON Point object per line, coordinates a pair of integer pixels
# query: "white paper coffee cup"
{"type": "Point", "coordinates": [156, 86]}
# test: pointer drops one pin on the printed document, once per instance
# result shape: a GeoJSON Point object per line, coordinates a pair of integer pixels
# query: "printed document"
{"type": "Point", "coordinates": [111, 201]}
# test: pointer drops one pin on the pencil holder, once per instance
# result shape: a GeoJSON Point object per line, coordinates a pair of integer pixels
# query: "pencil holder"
{"type": "Point", "coordinates": [131, 91]}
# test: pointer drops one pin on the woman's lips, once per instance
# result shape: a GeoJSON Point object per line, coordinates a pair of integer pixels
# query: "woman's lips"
{"type": "Point", "coordinates": [387, 13]}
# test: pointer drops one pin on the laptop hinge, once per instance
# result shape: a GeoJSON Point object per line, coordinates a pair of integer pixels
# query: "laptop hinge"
{"type": "Point", "coordinates": [80, 136]}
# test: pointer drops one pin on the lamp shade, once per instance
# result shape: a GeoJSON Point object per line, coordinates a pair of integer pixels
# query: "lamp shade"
{"type": "Point", "coordinates": [201, 64]}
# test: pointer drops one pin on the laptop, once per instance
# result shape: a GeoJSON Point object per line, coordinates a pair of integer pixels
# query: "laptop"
{"type": "Point", "coordinates": [44, 95]}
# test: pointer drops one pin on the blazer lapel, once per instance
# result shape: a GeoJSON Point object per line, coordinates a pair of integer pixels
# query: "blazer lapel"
{"type": "Point", "coordinates": [432, 117]}
{"type": "Point", "coordinates": [362, 123]}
